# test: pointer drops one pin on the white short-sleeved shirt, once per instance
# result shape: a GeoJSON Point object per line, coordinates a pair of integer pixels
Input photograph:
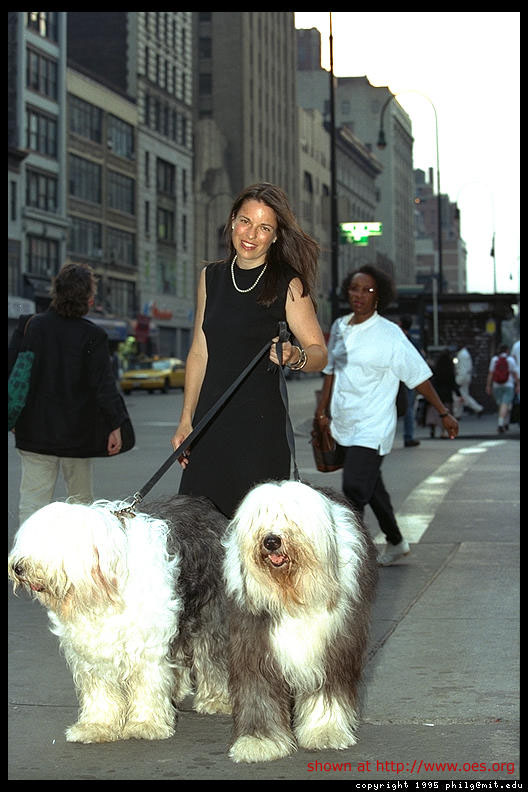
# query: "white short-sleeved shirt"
{"type": "Point", "coordinates": [368, 360]}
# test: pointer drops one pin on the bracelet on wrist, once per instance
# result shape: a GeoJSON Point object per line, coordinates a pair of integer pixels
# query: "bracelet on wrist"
{"type": "Point", "coordinates": [301, 363]}
{"type": "Point", "coordinates": [443, 415]}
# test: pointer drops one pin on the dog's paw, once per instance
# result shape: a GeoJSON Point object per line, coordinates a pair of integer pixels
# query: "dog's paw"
{"type": "Point", "coordinates": [146, 730]}
{"type": "Point", "coordinates": [92, 733]}
{"type": "Point", "coordinates": [249, 748]}
{"type": "Point", "coordinates": [212, 706]}
{"type": "Point", "coordinates": [325, 737]}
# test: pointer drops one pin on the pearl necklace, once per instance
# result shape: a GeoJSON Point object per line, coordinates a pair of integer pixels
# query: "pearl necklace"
{"type": "Point", "coordinates": [244, 291]}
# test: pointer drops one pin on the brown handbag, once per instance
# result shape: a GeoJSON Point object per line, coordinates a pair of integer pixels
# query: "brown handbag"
{"type": "Point", "coordinates": [328, 454]}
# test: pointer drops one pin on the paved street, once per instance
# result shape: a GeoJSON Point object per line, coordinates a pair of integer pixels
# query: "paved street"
{"type": "Point", "coordinates": [441, 695]}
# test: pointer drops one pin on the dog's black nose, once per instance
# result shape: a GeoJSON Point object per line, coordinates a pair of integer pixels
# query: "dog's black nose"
{"type": "Point", "coordinates": [272, 542]}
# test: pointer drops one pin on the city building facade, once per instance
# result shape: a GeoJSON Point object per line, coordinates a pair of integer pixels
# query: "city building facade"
{"type": "Point", "coordinates": [102, 194]}
{"type": "Point", "coordinates": [148, 56]}
{"type": "Point", "coordinates": [454, 253]}
{"type": "Point", "coordinates": [37, 188]}
{"type": "Point", "coordinates": [245, 113]}
{"type": "Point", "coordinates": [358, 108]}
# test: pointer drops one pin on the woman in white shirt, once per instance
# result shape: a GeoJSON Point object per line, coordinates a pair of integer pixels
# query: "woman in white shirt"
{"type": "Point", "coordinates": [368, 356]}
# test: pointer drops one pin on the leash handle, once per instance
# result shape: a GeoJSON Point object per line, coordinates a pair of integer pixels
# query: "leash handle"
{"type": "Point", "coordinates": [290, 437]}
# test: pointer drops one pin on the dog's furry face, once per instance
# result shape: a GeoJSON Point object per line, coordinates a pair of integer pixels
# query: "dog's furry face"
{"type": "Point", "coordinates": [289, 545]}
{"type": "Point", "coordinates": [70, 557]}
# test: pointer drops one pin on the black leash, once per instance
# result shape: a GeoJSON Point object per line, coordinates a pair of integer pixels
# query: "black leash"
{"type": "Point", "coordinates": [283, 336]}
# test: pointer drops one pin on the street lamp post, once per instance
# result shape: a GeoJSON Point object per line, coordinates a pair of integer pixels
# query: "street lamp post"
{"type": "Point", "coordinates": [438, 277]}
{"type": "Point", "coordinates": [333, 186]}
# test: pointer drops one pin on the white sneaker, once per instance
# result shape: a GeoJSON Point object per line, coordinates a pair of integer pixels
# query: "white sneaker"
{"type": "Point", "coordinates": [392, 552]}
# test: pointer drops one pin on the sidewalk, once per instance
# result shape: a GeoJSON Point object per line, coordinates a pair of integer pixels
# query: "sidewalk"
{"type": "Point", "coordinates": [442, 679]}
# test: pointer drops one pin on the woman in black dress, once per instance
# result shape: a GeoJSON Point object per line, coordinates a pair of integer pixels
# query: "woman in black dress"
{"type": "Point", "coordinates": [269, 276]}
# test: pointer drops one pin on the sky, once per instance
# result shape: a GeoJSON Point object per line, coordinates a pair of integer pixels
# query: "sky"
{"type": "Point", "coordinates": [467, 64]}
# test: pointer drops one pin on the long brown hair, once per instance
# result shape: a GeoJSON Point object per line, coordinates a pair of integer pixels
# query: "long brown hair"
{"type": "Point", "coordinates": [293, 245]}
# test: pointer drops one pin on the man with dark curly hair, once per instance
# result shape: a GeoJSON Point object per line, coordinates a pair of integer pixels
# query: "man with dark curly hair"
{"type": "Point", "coordinates": [71, 379]}
{"type": "Point", "coordinates": [368, 356]}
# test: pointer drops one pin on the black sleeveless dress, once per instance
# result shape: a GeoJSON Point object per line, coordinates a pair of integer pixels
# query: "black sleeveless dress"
{"type": "Point", "coordinates": [245, 443]}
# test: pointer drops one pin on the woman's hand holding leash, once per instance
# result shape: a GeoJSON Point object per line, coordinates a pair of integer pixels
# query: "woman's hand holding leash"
{"type": "Point", "coordinates": [183, 431]}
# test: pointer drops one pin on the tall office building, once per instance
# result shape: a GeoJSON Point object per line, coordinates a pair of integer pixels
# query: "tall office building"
{"type": "Point", "coordinates": [148, 56]}
{"type": "Point", "coordinates": [358, 108]}
{"type": "Point", "coordinates": [246, 109]}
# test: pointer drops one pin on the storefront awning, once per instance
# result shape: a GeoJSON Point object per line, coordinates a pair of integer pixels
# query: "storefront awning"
{"type": "Point", "coordinates": [116, 329]}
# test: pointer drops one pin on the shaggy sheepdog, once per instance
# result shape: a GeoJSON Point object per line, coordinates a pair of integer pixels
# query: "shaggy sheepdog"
{"type": "Point", "coordinates": [138, 604]}
{"type": "Point", "coordinates": [300, 571]}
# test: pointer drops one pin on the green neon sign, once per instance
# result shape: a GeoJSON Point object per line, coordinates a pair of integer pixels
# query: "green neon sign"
{"type": "Point", "coordinates": [358, 233]}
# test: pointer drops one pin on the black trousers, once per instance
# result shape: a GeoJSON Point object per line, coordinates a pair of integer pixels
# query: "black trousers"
{"type": "Point", "coordinates": [363, 484]}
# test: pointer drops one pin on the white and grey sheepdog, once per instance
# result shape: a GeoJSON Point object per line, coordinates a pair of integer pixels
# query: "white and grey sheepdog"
{"type": "Point", "coordinates": [138, 605]}
{"type": "Point", "coordinates": [300, 572]}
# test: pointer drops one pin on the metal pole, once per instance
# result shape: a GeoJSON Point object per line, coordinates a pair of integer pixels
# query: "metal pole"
{"type": "Point", "coordinates": [440, 249]}
{"type": "Point", "coordinates": [494, 264]}
{"type": "Point", "coordinates": [333, 185]}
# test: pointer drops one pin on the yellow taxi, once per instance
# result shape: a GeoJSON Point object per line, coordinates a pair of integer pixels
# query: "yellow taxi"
{"type": "Point", "coordinates": [154, 374]}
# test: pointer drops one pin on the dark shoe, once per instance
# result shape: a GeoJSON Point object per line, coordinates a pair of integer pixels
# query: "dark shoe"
{"type": "Point", "coordinates": [411, 443]}
{"type": "Point", "coordinates": [500, 429]}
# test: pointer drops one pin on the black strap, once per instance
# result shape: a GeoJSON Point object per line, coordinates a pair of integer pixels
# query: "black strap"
{"type": "Point", "coordinates": [283, 336]}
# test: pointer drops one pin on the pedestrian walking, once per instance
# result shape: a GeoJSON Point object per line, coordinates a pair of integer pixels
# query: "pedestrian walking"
{"type": "Point", "coordinates": [368, 356]}
{"type": "Point", "coordinates": [502, 383]}
{"type": "Point", "coordinates": [516, 355]}
{"type": "Point", "coordinates": [71, 380]}
{"type": "Point", "coordinates": [463, 374]}
{"type": "Point", "coordinates": [445, 383]}
{"type": "Point", "coordinates": [409, 418]}
{"type": "Point", "coordinates": [269, 276]}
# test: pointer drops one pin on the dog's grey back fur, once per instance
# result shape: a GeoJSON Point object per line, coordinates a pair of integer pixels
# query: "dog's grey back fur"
{"type": "Point", "coordinates": [196, 529]}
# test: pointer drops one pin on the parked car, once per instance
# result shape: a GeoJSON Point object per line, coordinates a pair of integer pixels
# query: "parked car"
{"type": "Point", "coordinates": [154, 374]}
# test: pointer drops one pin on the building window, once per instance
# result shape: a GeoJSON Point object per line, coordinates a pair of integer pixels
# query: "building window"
{"type": "Point", "coordinates": [121, 247]}
{"type": "Point", "coordinates": [165, 225]}
{"type": "Point", "coordinates": [14, 201]}
{"type": "Point", "coordinates": [147, 169]}
{"type": "Point", "coordinates": [121, 192]}
{"type": "Point", "coordinates": [165, 177]}
{"type": "Point", "coordinates": [147, 218]}
{"type": "Point", "coordinates": [166, 275]}
{"type": "Point", "coordinates": [84, 179]}
{"type": "Point", "coordinates": [42, 256]}
{"type": "Point", "coordinates": [85, 119]}
{"type": "Point", "coordinates": [184, 232]}
{"type": "Point", "coordinates": [41, 191]}
{"type": "Point", "coordinates": [41, 74]}
{"type": "Point", "coordinates": [205, 84]}
{"type": "Point", "coordinates": [41, 133]}
{"type": "Point", "coordinates": [120, 137]}
{"type": "Point", "coordinates": [44, 23]}
{"type": "Point", "coordinates": [85, 238]}
{"type": "Point", "coordinates": [122, 296]}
